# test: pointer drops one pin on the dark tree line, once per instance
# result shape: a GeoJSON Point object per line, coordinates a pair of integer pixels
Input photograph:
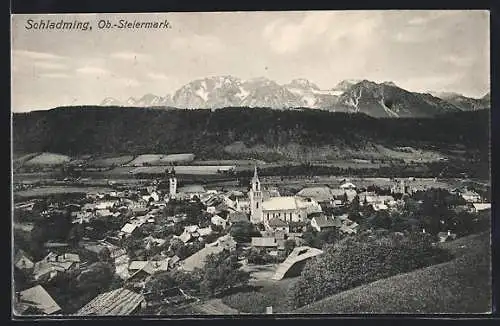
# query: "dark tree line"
{"type": "Point", "coordinates": [132, 131]}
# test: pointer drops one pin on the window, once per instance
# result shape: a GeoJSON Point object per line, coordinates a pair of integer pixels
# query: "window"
{"type": "Point", "coordinates": [257, 205]}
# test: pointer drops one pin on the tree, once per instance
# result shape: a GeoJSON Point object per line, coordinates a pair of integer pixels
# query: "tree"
{"type": "Point", "coordinates": [243, 231]}
{"type": "Point", "coordinates": [289, 246]}
{"type": "Point", "coordinates": [363, 259]}
{"type": "Point", "coordinates": [345, 199]}
{"type": "Point", "coordinates": [94, 279]}
{"type": "Point", "coordinates": [221, 273]}
{"type": "Point", "coordinates": [354, 207]}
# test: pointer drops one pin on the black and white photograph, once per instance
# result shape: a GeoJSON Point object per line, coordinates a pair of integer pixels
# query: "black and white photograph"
{"type": "Point", "coordinates": [247, 163]}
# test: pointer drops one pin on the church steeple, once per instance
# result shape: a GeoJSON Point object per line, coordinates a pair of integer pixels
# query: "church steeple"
{"type": "Point", "coordinates": [256, 214]}
{"type": "Point", "coordinates": [172, 181]}
{"type": "Point", "coordinates": [255, 180]}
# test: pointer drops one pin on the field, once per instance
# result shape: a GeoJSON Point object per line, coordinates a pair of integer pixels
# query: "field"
{"type": "Point", "coordinates": [111, 161]}
{"type": "Point", "coordinates": [462, 285]}
{"type": "Point", "coordinates": [55, 190]}
{"type": "Point", "coordinates": [145, 158]}
{"type": "Point", "coordinates": [174, 158]}
{"type": "Point", "coordinates": [183, 169]}
{"type": "Point", "coordinates": [336, 181]}
{"type": "Point", "coordinates": [263, 291]}
{"type": "Point", "coordinates": [19, 160]}
{"type": "Point", "coordinates": [48, 159]}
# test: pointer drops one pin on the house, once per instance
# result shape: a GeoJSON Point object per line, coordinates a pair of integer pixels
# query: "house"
{"type": "Point", "coordinates": [477, 207]}
{"type": "Point", "coordinates": [119, 302]}
{"type": "Point", "coordinates": [264, 242]}
{"type": "Point", "coordinates": [320, 194]}
{"type": "Point", "coordinates": [23, 262]}
{"type": "Point", "coordinates": [203, 232]}
{"type": "Point", "coordinates": [128, 229]}
{"type": "Point", "coordinates": [347, 185]}
{"type": "Point", "coordinates": [226, 242]}
{"type": "Point", "coordinates": [105, 204]}
{"type": "Point", "coordinates": [53, 265]}
{"type": "Point", "coordinates": [380, 207]}
{"type": "Point", "coordinates": [35, 299]}
{"type": "Point", "coordinates": [349, 228]}
{"type": "Point", "coordinates": [322, 222]}
{"type": "Point", "coordinates": [138, 265]}
{"type": "Point", "coordinates": [275, 224]}
{"type": "Point", "coordinates": [471, 196]}
{"type": "Point", "coordinates": [446, 236]}
{"type": "Point", "coordinates": [198, 259]}
{"type": "Point", "coordinates": [173, 261]}
{"type": "Point", "coordinates": [103, 212]}
{"type": "Point", "coordinates": [217, 220]}
{"type": "Point", "coordinates": [191, 191]}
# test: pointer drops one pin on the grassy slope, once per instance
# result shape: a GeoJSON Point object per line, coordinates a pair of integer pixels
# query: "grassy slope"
{"type": "Point", "coordinates": [462, 285]}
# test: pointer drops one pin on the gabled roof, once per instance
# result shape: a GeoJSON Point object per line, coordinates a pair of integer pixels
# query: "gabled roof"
{"type": "Point", "coordinates": [482, 206]}
{"type": "Point", "coordinates": [198, 259]}
{"type": "Point", "coordinates": [318, 193]}
{"type": "Point", "coordinates": [325, 221]}
{"type": "Point", "coordinates": [22, 260]}
{"type": "Point", "coordinates": [276, 222]}
{"type": "Point", "coordinates": [119, 302]}
{"type": "Point", "coordinates": [280, 203]}
{"type": "Point", "coordinates": [129, 228]}
{"type": "Point", "coordinates": [37, 297]}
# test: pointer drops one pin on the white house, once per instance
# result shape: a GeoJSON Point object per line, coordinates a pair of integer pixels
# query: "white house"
{"type": "Point", "coordinates": [217, 220]}
{"type": "Point", "coordinates": [348, 185]}
{"type": "Point", "coordinates": [471, 196]}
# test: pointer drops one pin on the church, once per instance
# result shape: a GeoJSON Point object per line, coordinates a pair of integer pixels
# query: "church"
{"type": "Point", "coordinates": [285, 208]}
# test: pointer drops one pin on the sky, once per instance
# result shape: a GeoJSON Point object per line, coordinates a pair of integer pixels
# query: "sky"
{"type": "Point", "coordinates": [441, 51]}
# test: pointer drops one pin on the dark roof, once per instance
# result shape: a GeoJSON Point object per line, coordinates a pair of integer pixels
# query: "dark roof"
{"type": "Point", "coordinates": [324, 221]}
{"type": "Point", "coordinates": [276, 222]}
{"type": "Point", "coordinates": [237, 216]}
{"type": "Point", "coordinates": [117, 302]}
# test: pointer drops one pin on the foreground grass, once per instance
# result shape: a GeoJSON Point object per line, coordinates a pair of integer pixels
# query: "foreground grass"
{"type": "Point", "coordinates": [265, 293]}
{"type": "Point", "coordinates": [462, 285]}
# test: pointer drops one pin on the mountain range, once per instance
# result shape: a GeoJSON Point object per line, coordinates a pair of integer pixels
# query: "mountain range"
{"type": "Point", "coordinates": [374, 99]}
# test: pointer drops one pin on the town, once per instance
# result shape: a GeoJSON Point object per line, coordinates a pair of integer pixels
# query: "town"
{"type": "Point", "coordinates": [165, 246]}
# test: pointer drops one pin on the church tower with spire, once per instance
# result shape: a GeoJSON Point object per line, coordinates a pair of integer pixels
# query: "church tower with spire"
{"type": "Point", "coordinates": [256, 215]}
{"type": "Point", "coordinates": [172, 182]}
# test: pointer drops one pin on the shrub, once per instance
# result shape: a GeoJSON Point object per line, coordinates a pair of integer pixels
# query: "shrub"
{"type": "Point", "coordinates": [249, 302]}
{"type": "Point", "coordinates": [364, 259]}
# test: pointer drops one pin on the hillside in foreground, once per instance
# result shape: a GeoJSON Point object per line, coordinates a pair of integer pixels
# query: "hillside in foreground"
{"type": "Point", "coordinates": [462, 285]}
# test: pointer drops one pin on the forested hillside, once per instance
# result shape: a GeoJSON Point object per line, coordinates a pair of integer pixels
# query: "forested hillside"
{"type": "Point", "coordinates": [221, 133]}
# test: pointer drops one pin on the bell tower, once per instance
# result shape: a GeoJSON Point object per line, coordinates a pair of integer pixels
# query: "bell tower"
{"type": "Point", "coordinates": [256, 214]}
{"type": "Point", "coordinates": [172, 182]}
